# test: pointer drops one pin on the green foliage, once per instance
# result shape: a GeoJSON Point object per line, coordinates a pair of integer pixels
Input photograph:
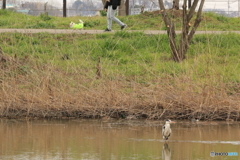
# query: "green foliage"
{"type": "Point", "coordinates": [103, 13]}
{"type": "Point", "coordinates": [134, 55]}
{"type": "Point", "coordinates": [45, 16]}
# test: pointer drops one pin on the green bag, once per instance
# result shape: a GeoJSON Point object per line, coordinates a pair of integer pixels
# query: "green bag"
{"type": "Point", "coordinates": [78, 26]}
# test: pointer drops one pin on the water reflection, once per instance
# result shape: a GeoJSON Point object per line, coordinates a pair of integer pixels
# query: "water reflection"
{"type": "Point", "coordinates": [166, 152]}
{"type": "Point", "coordinates": [115, 139]}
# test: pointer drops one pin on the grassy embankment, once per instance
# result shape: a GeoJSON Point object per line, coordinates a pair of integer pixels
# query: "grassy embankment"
{"type": "Point", "coordinates": [146, 21]}
{"type": "Point", "coordinates": [46, 75]}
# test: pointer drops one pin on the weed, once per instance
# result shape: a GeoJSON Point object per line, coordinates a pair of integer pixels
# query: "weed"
{"type": "Point", "coordinates": [103, 13]}
{"type": "Point", "coordinates": [45, 16]}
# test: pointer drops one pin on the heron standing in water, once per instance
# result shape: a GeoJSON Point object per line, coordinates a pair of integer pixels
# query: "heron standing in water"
{"type": "Point", "coordinates": [166, 129]}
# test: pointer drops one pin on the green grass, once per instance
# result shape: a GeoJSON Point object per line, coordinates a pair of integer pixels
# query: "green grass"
{"type": "Point", "coordinates": [146, 21]}
{"type": "Point", "coordinates": [130, 54]}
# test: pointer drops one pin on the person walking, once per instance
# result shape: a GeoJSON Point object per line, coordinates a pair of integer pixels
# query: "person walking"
{"type": "Point", "coordinates": [111, 7]}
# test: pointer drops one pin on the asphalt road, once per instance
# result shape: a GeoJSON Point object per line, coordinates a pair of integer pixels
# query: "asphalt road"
{"type": "Point", "coordinates": [70, 31]}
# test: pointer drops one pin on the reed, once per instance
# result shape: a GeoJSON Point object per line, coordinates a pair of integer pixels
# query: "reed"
{"type": "Point", "coordinates": [62, 76]}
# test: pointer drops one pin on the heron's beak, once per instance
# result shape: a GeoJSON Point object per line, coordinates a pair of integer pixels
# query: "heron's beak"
{"type": "Point", "coordinates": [173, 122]}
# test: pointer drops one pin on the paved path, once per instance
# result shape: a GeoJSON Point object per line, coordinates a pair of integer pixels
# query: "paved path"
{"type": "Point", "coordinates": [69, 31]}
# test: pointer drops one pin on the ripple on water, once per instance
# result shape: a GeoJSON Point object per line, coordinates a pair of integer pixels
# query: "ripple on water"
{"type": "Point", "coordinates": [207, 142]}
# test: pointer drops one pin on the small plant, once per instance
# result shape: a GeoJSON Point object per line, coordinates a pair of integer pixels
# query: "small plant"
{"type": "Point", "coordinates": [45, 16]}
{"type": "Point", "coordinates": [103, 13]}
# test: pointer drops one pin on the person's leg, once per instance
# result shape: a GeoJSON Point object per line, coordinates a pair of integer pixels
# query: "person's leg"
{"type": "Point", "coordinates": [113, 12]}
{"type": "Point", "coordinates": [109, 18]}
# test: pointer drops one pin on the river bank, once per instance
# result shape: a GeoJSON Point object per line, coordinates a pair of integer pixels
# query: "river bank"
{"type": "Point", "coordinates": [109, 99]}
{"type": "Point", "coordinates": [120, 75]}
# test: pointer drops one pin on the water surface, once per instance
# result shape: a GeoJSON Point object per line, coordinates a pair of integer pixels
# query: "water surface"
{"type": "Point", "coordinates": [116, 139]}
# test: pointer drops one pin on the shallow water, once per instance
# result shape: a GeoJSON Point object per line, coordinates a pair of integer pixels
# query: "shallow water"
{"type": "Point", "coordinates": [116, 139]}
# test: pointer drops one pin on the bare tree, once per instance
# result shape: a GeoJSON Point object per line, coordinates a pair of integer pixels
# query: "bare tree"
{"type": "Point", "coordinates": [179, 50]}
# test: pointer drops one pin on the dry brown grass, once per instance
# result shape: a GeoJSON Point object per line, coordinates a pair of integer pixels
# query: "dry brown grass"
{"type": "Point", "coordinates": [52, 93]}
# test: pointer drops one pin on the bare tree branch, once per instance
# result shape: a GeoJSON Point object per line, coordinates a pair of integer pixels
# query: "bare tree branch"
{"type": "Point", "coordinates": [178, 53]}
{"type": "Point", "coordinates": [197, 21]}
{"type": "Point", "coordinates": [170, 30]}
{"type": "Point", "coordinates": [192, 9]}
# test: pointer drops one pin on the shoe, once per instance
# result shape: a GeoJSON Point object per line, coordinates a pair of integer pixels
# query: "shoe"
{"type": "Point", "coordinates": [123, 27]}
{"type": "Point", "coordinates": [107, 30]}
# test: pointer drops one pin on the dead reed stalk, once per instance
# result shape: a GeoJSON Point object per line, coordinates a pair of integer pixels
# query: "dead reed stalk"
{"type": "Point", "coordinates": [46, 92]}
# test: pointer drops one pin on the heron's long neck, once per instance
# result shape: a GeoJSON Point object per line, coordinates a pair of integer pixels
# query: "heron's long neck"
{"type": "Point", "coordinates": [167, 125]}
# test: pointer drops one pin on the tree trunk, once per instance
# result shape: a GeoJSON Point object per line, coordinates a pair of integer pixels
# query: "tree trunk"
{"type": "Point", "coordinates": [64, 8]}
{"type": "Point", "coordinates": [127, 7]}
{"type": "Point", "coordinates": [189, 4]}
{"type": "Point", "coordinates": [176, 4]}
{"type": "Point", "coordinates": [4, 4]}
{"type": "Point", "coordinates": [178, 52]}
{"type": "Point", "coordinates": [122, 9]}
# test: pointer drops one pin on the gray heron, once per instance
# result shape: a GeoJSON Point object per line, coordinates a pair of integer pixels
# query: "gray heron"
{"type": "Point", "coordinates": [166, 129]}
